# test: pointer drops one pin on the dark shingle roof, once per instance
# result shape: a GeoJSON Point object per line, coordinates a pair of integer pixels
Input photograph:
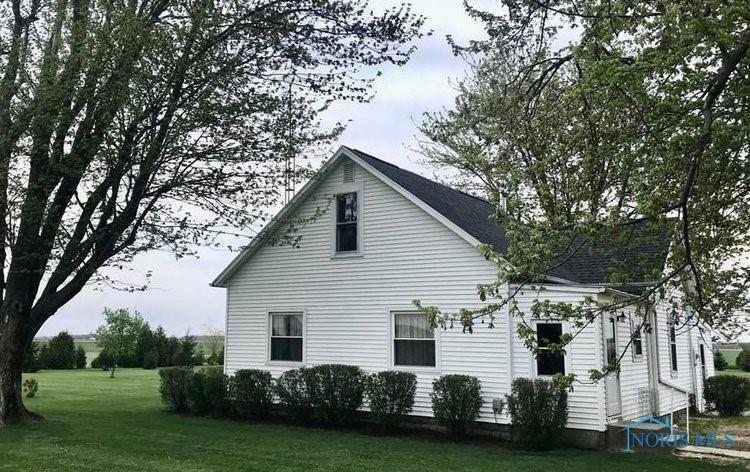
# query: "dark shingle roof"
{"type": "Point", "coordinates": [636, 252]}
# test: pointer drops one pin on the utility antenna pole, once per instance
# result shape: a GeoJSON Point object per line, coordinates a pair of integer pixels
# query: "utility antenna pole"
{"type": "Point", "coordinates": [290, 158]}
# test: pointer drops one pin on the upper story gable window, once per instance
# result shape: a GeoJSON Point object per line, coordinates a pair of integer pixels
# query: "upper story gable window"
{"type": "Point", "coordinates": [346, 222]}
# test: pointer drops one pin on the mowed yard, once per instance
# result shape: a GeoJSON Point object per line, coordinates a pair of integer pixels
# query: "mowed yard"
{"type": "Point", "coordinates": [731, 357]}
{"type": "Point", "coordinates": [97, 423]}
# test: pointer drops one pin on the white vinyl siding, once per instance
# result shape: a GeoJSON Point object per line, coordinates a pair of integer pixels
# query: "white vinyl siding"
{"type": "Point", "coordinates": [403, 253]}
{"type": "Point", "coordinates": [586, 401]}
{"type": "Point", "coordinates": [349, 301]}
{"type": "Point", "coordinates": [669, 399]}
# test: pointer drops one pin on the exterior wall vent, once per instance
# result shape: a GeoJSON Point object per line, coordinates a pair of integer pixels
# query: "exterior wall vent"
{"type": "Point", "coordinates": [348, 172]}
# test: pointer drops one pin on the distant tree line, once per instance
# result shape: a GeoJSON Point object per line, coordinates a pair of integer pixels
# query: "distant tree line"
{"type": "Point", "coordinates": [149, 349]}
{"type": "Point", "coordinates": [128, 341]}
{"type": "Point", "coordinates": [60, 352]}
{"type": "Point", "coordinates": [154, 348]}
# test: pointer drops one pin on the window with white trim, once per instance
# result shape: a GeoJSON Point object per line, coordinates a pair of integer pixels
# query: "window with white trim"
{"type": "Point", "coordinates": [637, 340]}
{"type": "Point", "coordinates": [346, 222]}
{"type": "Point", "coordinates": [548, 362]}
{"type": "Point", "coordinates": [413, 340]}
{"type": "Point", "coordinates": [673, 348]}
{"type": "Point", "coordinates": [286, 337]}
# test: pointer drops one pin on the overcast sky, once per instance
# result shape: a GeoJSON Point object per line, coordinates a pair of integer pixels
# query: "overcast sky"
{"type": "Point", "coordinates": [179, 297]}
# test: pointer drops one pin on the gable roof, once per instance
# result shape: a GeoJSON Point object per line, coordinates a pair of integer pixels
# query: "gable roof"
{"type": "Point", "coordinates": [590, 262]}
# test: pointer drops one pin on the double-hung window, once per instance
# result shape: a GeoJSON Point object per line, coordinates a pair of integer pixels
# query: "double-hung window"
{"type": "Point", "coordinates": [413, 340]}
{"type": "Point", "coordinates": [673, 348]}
{"type": "Point", "coordinates": [346, 223]}
{"type": "Point", "coordinates": [286, 337]}
{"type": "Point", "coordinates": [547, 361]}
{"type": "Point", "coordinates": [637, 340]}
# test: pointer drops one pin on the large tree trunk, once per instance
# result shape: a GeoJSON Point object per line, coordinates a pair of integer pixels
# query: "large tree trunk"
{"type": "Point", "coordinates": [12, 346]}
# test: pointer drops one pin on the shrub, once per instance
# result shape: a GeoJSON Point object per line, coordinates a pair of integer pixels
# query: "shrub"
{"type": "Point", "coordinates": [336, 392]}
{"type": "Point", "coordinates": [150, 359]}
{"type": "Point", "coordinates": [745, 360]}
{"type": "Point", "coordinates": [30, 386]}
{"type": "Point", "coordinates": [103, 361]}
{"type": "Point", "coordinates": [80, 357]}
{"type": "Point", "coordinates": [292, 388]}
{"type": "Point", "coordinates": [195, 393]}
{"type": "Point", "coordinates": [199, 358]}
{"type": "Point", "coordinates": [173, 388]}
{"type": "Point", "coordinates": [206, 392]}
{"type": "Point", "coordinates": [391, 396]}
{"type": "Point", "coordinates": [741, 360]}
{"type": "Point", "coordinates": [720, 363]}
{"type": "Point", "coordinates": [61, 352]}
{"type": "Point", "coordinates": [456, 400]}
{"type": "Point", "coordinates": [729, 394]}
{"type": "Point", "coordinates": [538, 410]}
{"type": "Point", "coordinates": [252, 391]}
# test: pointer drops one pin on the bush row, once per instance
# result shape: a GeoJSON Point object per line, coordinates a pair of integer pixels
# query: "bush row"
{"type": "Point", "coordinates": [328, 394]}
{"type": "Point", "coordinates": [331, 394]}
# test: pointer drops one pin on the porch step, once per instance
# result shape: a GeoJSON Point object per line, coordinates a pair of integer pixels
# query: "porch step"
{"type": "Point", "coordinates": [617, 436]}
{"type": "Point", "coordinates": [713, 453]}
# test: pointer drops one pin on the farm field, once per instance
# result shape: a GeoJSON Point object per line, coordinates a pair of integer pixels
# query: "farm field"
{"type": "Point", "coordinates": [97, 423]}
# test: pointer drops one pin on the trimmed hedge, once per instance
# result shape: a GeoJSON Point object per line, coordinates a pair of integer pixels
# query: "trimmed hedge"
{"type": "Point", "coordinates": [729, 394]}
{"type": "Point", "coordinates": [539, 410]}
{"type": "Point", "coordinates": [173, 388]}
{"type": "Point", "coordinates": [329, 393]}
{"type": "Point", "coordinates": [252, 392]}
{"type": "Point", "coordinates": [206, 392]}
{"type": "Point", "coordinates": [336, 392]}
{"type": "Point", "coordinates": [456, 400]}
{"type": "Point", "coordinates": [292, 389]}
{"type": "Point", "coordinates": [391, 395]}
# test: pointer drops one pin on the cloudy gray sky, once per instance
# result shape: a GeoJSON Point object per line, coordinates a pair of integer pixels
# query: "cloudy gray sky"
{"type": "Point", "coordinates": [179, 298]}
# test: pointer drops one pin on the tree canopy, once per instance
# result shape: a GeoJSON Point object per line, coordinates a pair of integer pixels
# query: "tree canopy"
{"type": "Point", "coordinates": [119, 334]}
{"type": "Point", "coordinates": [642, 118]}
{"type": "Point", "coordinates": [158, 124]}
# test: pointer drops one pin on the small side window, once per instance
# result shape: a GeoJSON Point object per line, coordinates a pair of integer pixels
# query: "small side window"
{"type": "Point", "coordinates": [548, 362]}
{"type": "Point", "coordinates": [637, 340]}
{"type": "Point", "coordinates": [673, 348]}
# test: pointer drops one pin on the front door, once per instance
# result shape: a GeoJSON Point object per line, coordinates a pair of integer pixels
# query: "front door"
{"type": "Point", "coordinates": [612, 381]}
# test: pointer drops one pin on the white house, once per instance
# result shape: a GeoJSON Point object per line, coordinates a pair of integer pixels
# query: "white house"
{"type": "Point", "coordinates": [372, 237]}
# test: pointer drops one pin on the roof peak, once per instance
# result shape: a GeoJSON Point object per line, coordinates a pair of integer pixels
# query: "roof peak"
{"type": "Point", "coordinates": [359, 151]}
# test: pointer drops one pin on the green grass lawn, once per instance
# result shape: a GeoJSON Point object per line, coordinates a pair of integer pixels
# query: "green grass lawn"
{"type": "Point", "coordinates": [731, 356]}
{"type": "Point", "coordinates": [96, 423]}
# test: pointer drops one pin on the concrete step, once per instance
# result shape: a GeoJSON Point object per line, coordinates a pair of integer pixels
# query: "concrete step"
{"type": "Point", "coordinates": [714, 454]}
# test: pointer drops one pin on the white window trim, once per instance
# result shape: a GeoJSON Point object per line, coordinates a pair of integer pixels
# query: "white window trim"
{"type": "Point", "coordinates": [353, 187]}
{"type": "Point", "coordinates": [568, 349]}
{"type": "Point", "coordinates": [636, 357]}
{"type": "Point", "coordinates": [391, 314]}
{"type": "Point", "coordinates": [286, 310]}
